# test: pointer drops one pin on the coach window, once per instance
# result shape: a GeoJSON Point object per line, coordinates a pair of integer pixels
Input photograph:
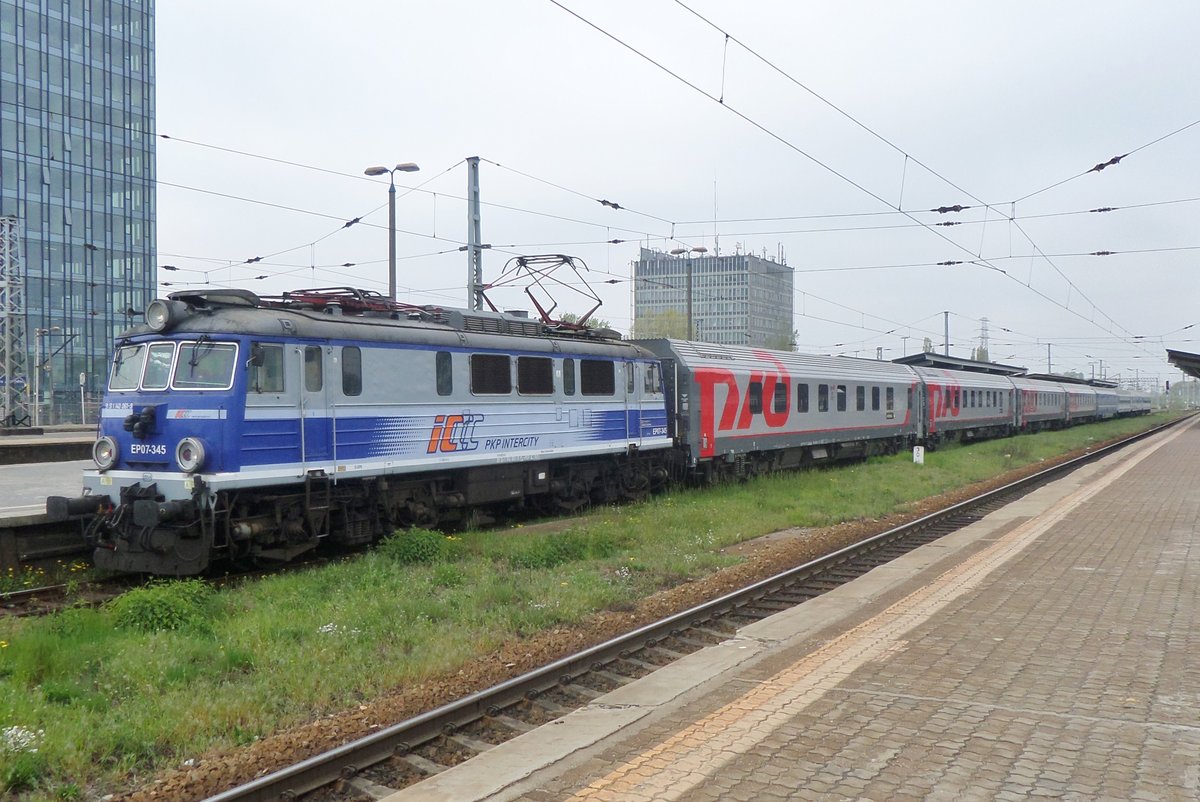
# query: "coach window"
{"type": "Point", "coordinates": [874, 399]}
{"type": "Point", "coordinates": [266, 375]}
{"type": "Point", "coordinates": [841, 398]}
{"type": "Point", "coordinates": [781, 397]}
{"type": "Point", "coordinates": [568, 376]}
{"type": "Point", "coordinates": [755, 395]}
{"type": "Point", "coordinates": [890, 399]}
{"type": "Point", "coordinates": [444, 373]}
{"type": "Point", "coordinates": [158, 366]}
{"type": "Point", "coordinates": [802, 398]}
{"type": "Point", "coordinates": [313, 369]}
{"type": "Point", "coordinates": [822, 398]}
{"type": "Point", "coordinates": [860, 398]}
{"type": "Point", "coordinates": [535, 375]}
{"type": "Point", "coordinates": [946, 396]}
{"type": "Point", "coordinates": [597, 377]}
{"type": "Point", "coordinates": [491, 374]}
{"type": "Point", "coordinates": [351, 370]}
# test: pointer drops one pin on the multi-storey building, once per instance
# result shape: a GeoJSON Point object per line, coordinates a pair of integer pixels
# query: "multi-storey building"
{"type": "Point", "coordinates": [77, 174]}
{"type": "Point", "coordinates": [737, 299]}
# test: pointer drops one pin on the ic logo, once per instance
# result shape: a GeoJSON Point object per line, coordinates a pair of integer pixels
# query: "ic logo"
{"type": "Point", "coordinates": [453, 433]}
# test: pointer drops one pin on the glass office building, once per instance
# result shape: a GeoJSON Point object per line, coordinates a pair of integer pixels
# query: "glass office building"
{"type": "Point", "coordinates": [77, 173]}
{"type": "Point", "coordinates": [738, 299]}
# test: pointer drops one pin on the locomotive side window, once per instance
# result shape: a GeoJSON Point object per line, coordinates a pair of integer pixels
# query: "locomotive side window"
{"type": "Point", "coordinates": [628, 378]}
{"type": "Point", "coordinates": [568, 376]}
{"type": "Point", "coordinates": [755, 395]}
{"type": "Point", "coordinates": [127, 367]}
{"type": "Point", "coordinates": [351, 370]}
{"type": "Point", "coordinates": [874, 399]}
{"type": "Point", "coordinates": [597, 377]}
{"type": "Point", "coordinates": [860, 398]}
{"type": "Point", "coordinates": [158, 366]}
{"type": "Point", "coordinates": [445, 375]}
{"type": "Point", "coordinates": [314, 373]}
{"type": "Point", "coordinates": [841, 398]}
{"type": "Point", "coordinates": [802, 398]}
{"type": "Point", "coordinates": [890, 399]}
{"type": "Point", "coordinates": [535, 375]}
{"type": "Point", "coordinates": [267, 372]}
{"type": "Point", "coordinates": [822, 398]}
{"type": "Point", "coordinates": [204, 365]}
{"type": "Point", "coordinates": [491, 374]}
{"type": "Point", "coordinates": [781, 397]}
{"type": "Point", "coordinates": [653, 378]}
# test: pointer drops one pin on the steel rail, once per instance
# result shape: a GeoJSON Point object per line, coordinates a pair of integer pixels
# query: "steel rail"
{"type": "Point", "coordinates": [347, 760]}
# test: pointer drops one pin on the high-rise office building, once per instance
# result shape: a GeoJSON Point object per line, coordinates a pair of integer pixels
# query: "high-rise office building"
{"type": "Point", "coordinates": [77, 175]}
{"type": "Point", "coordinates": [737, 299]}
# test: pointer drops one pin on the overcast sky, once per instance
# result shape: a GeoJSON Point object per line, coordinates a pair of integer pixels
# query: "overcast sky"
{"type": "Point", "coordinates": [835, 116]}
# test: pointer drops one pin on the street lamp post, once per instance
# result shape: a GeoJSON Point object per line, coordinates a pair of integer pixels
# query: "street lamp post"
{"type": "Point", "coordinates": [404, 167]}
{"type": "Point", "coordinates": [687, 252]}
{"type": "Point", "coordinates": [37, 374]}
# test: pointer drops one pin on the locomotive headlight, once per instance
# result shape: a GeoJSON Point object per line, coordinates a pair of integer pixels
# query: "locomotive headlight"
{"type": "Point", "coordinates": [162, 314]}
{"type": "Point", "coordinates": [104, 453]}
{"type": "Point", "coordinates": [189, 455]}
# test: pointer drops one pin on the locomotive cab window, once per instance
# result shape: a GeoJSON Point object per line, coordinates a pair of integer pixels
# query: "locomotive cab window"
{"type": "Point", "coordinates": [127, 367]}
{"type": "Point", "coordinates": [597, 377]}
{"type": "Point", "coordinates": [653, 379]}
{"type": "Point", "coordinates": [352, 378]}
{"type": "Point", "coordinates": [204, 365]}
{"type": "Point", "coordinates": [266, 368]}
{"type": "Point", "coordinates": [491, 374]}
{"type": "Point", "coordinates": [158, 366]}
{"type": "Point", "coordinates": [314, 369]}
{"type": "Point", "coordinates": [535, 375]}
{"type": "Point", "coordinates": [443, 367]}
{"type": "Point", "coordinates": [568, 376]}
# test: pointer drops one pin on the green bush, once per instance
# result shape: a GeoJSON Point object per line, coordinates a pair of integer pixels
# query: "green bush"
{"type": "Point", "coordinates": [549, 551]}
{"type": "Point", "coordinates": [165, 606]}
{"type": "Point", "coordinates": [416, 546]}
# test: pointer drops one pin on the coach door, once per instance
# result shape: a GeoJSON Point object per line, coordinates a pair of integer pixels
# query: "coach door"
{"type": "Point", "coordinates": [315, 433]}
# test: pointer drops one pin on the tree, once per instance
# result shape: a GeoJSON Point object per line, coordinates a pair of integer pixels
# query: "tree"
{"type": "Point", "coordinates": [668, 323]}
{"type": "Point", "coordinates": [592, 323]}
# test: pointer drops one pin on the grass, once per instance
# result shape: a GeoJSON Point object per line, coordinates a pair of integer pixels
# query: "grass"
{"type": "Point", "coordinates": [89, 698]}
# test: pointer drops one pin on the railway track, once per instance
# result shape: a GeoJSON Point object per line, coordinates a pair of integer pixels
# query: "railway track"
{"type": "Point", "coordinates": [405, 753]}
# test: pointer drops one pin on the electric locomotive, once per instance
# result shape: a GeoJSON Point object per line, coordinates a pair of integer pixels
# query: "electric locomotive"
{"type": "Point", "coordinates": [244, 428]}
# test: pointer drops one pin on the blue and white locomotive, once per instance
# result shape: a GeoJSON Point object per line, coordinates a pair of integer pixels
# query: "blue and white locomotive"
{"type": "Point", "coordinates": [242, 427]}
{"type": "Point", "coordinates": [238, 428]}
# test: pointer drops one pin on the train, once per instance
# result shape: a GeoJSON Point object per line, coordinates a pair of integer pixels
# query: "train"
{"type": "Point", "coordinates": [245, 429]}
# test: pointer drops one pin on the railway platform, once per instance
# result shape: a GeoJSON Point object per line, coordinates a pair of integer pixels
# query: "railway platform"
{"type": "Point", "coordinates": [1047, 650]}
{"type": "Point", "coordinates": [58, 444]}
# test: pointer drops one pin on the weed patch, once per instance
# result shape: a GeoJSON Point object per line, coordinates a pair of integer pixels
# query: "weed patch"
{"type": "Point", "coordinates": [165, 606]}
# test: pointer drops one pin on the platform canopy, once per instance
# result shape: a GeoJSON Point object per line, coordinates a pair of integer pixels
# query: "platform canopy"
{"type": "Point", "coordinates": [1188, 363]}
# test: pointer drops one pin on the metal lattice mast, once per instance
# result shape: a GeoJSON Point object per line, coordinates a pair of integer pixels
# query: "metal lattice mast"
{"type": "Point", "coordinates": [14, 403]}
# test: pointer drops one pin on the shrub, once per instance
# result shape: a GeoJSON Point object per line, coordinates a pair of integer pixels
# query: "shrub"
{"type": "Point", "coordinates": [550, 551]}
{"type": "Point", "coordinates": [416, 546]}
{"type": "Point", "coordinates": [165, 606]}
